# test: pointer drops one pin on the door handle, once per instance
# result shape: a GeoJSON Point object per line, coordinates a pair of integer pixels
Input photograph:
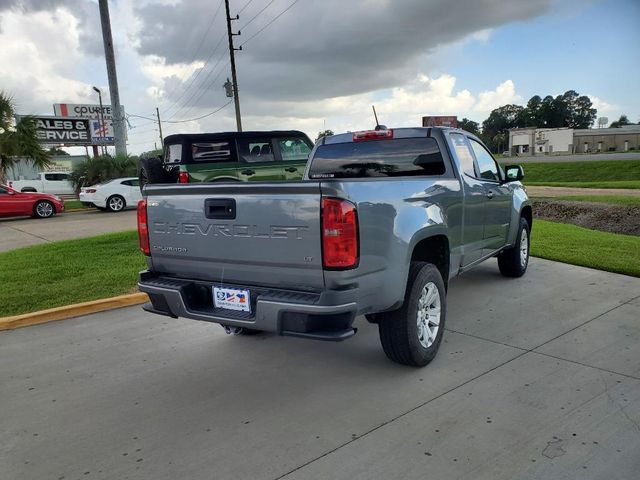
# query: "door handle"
{"type": "Point", "coordinates": [247, 172]}
{"type": "Point", "coordinates": [490, 194]}
{"type": "Point", "coordinates": [220, 208]}
{"type": "Point", "coordinates": [291, 169]}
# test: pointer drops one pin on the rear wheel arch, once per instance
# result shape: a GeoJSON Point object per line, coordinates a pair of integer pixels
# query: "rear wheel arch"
{"type": "Point", "coordinates": [435, 250]}
{"type": "Point", "coordinates": [527, 214]}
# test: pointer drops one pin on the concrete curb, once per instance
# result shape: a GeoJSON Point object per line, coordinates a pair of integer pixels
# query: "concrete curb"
{"type": "Point", "coordinates": [70, 311]}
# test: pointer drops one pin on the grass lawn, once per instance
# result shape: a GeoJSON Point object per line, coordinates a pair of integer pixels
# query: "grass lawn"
{"type": "Point", "coordinates": [589, 248]}
{"type": "Point", "coordinates": [73, 204]}
{"type": "Point", "coordinates": [611, 199]}
{"type": "Point", "coordinates": [627, 184]}
{"type": "Point", "coordinates": [599, 174]}
{"type": "Point", "coordinates": [70, 271]}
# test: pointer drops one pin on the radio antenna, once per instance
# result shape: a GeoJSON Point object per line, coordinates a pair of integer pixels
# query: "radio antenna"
{"type": "Point", "coordinates": [375, 115]}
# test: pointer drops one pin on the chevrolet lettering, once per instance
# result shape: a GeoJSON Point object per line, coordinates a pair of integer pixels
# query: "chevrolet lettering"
{"type": "Point", "coordinates": [225, 230]}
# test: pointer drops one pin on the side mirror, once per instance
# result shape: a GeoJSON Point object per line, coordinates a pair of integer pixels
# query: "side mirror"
{"type": "Point", "coordinates": [11, 192]}
{"type": "Point", "coordinates": [513, 173]}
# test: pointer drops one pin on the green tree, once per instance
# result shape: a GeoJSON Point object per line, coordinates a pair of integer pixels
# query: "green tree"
{"type": "Point", "coordinates": [623, 120]}
{"type": "Point", "coordinates": [500, 120]}
{"type": "Point", "coordinates": [469, 126]}
{"type": "Point", "coordinates": [57, 151]}
{"type": "Point", "coordinates": [18, 139]}
{"type": "Point", "coordinates": [326, 133]}
{"type": "Point", "coordinates": [102, 168]}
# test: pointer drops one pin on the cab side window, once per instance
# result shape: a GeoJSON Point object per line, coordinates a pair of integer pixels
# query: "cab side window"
{"type": "Point", "coordinates": [2, 191]}
{"type": "Point", "coordinates": [486, 163]}
{"type": "Point", "coordinates": [211, 151]}
{"type": "Point", "coordinates": [463, 154]}
{"type": "Point", "coordinates": [255, 150]}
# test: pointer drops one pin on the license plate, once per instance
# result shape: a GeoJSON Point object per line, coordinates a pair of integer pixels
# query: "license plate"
{"type": "Point", "coordinates": [232, 299]}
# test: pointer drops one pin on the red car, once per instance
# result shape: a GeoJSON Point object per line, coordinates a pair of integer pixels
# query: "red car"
{"type": "Point", "coordinates": [42, 205]}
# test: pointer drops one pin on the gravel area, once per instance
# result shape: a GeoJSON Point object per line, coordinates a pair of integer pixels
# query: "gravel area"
{"type": "Point", "coordinates": [597, 216]}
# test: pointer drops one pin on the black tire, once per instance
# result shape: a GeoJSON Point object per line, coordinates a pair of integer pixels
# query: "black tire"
{"type": "Point", "coordinates": [44, 209]}
{"type": "Point", "coordinates": [402, 340]}
{"type": "Point", "coordinates": [116, 203]}
{"type": "Point", "coordinates": [151, 170]}
{"type": "Point", "coordinates": [511, 262]}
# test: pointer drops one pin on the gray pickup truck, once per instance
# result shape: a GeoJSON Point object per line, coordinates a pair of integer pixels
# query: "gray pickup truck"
{"type": "Point", "coordinates": [381, 222]}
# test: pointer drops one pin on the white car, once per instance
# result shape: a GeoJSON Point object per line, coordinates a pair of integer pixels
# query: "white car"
{"type": "Point", "coordinates": [113, 195]}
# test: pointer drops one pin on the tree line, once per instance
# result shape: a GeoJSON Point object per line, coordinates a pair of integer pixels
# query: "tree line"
{"type": "Point", "coordinates": [567, 110]}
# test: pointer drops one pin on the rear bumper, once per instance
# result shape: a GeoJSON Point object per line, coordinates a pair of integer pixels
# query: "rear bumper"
{"type": "Point", "coordinates": [323, 316]}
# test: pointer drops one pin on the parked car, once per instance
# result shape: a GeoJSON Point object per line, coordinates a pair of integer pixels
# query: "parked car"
{"type": "Point", "coordinates": [55, 183]}
{"type": "Point", "coordinates": [114, 195]}
{"type": "Point", "coordinates": [230, 156]}
{"type": "Point", "coordinates": [41, 205]}
{"type": "Point", "coordinates": [381, 223]}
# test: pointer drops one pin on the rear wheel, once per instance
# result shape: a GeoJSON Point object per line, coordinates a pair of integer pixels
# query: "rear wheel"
{"type": "Point", "coordinates": [513, 262]}
{"type": "Point", "coordinates": [412, 334]}
{"type": "Point", "coordinates": [44, 209]}
{"type": "Point", "coordinates": [115, 203]}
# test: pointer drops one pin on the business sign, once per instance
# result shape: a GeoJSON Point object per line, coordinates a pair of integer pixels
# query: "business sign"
{"type": "Point", "coordinates": [81, 110]}
{"type": "Point", "coordinates": [101, 133]}
{"type": "Point", "coordinates": [440, 121]}
{"type": "Point", "coordinates": [61, 130]}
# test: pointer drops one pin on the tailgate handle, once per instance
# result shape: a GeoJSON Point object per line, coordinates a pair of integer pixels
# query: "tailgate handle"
{"type": "Point", "coordinates": [220, 208]}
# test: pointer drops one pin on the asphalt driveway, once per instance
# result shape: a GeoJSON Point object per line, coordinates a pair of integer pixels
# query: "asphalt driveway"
{"type": "Point", "coordinates": [538, 377]}
{"type": "Point", "coordinates": [23, 232]}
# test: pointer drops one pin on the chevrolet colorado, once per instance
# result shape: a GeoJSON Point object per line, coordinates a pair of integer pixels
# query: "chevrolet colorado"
{"type": "Point", "coordinates": [381, 222]}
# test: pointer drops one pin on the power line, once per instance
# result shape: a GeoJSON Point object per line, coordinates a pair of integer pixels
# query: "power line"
{"type": "Point", "coordinates": [215, 16]}
{"type": "Point", "coordinates": [245, 6]}
{"type": "Point", "coordinates": [269, 23]}
{"type": "Point", "coordinates": [200, 117]}
{"type": "Point", "coordinates": [186, 120]}
{"type": "Point", "coordinates": [185, 109]}
{"type": "Point", "coordinates": [257, 14]}
{"type": "Point", "coordinates": [193, 79]}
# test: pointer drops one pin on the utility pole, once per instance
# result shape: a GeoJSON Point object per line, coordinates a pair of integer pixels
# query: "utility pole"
{"type": "Point", "coordinates": [160, 127]}
{"type": "Point", "coordinates": [118, 120]}
{"type": "Point", "coordinates": [234, 77]}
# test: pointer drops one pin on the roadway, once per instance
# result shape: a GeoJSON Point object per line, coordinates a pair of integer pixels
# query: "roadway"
{"type": "Point", "coordinates": [538, 377]}
{"type": "Point", "coordinates": [582, 157]}
{"type": "Point", "coordinates": [24, 231]}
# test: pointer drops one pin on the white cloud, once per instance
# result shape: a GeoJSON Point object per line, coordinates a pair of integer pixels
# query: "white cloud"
{"type": "Point", "coordinates": [503, 94]}
{"type": "Point", "coordinates": [35, 70]}
{"type": "Point", "coordinates": [604, 108]}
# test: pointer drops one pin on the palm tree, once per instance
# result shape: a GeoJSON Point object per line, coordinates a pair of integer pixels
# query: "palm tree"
{"type": "Point", "coordinates": [18, 139]}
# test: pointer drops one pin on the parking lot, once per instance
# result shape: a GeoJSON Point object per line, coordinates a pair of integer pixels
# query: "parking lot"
{"type": "Point", "coordinates": [23, 232]}
{"type": "Point", "coordinates": [538, 377]}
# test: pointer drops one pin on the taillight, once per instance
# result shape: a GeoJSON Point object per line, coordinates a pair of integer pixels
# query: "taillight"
{"type": "Point", "coordinates": [89, 190]}
{"type": "Point", "coordinates": [339, 234]}
{"type": "Point", "coordinates": [183, 177]}
{"type": "Point", "coordinates": [143, 228]}
{"type": "Point", "coordinates": [373, 135]}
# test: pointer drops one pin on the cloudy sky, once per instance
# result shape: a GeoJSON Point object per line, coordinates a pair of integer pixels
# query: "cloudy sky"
{"type": "Point", "coordinates": [311, 64]}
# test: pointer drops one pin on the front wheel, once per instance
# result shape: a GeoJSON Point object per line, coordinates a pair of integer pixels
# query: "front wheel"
{"type": "Point", "coordinates": [513, 262]}
{"type": "Point", "coordinates": [115, 203]}
{"type": "Point", "coordinates": [412, 334]}
{"type": "Point", "coordinates": [44, 209]}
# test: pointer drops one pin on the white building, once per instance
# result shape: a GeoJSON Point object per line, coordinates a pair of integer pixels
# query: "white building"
{"type": "Point", "coordinates": [539, 141]}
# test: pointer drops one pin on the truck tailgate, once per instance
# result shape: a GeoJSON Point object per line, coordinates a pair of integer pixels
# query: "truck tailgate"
{"type": "Point", "coordinates": [265, 234]}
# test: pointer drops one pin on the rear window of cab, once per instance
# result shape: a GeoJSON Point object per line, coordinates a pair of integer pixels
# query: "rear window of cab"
{"type": "Point", "coordinates": [380, 158]}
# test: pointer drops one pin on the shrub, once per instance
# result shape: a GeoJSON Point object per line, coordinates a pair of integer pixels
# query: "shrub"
{"type": "Point", "coordinates": [102, 168]}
